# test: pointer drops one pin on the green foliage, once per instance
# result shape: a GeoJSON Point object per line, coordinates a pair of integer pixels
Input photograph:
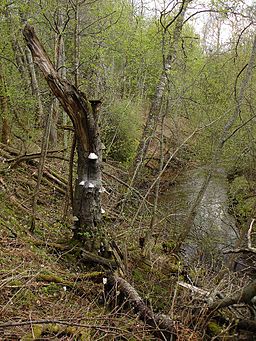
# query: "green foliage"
{"type": "Point", "coordinates": [121, 129]}
{"type": "Point", "coordinates": [242, 202]}
{"type": "Point", "coordinates": [52, 289]}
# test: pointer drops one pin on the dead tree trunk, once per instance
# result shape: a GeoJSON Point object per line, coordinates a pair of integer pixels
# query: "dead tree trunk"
{"type": "Point", "coordinates": [84, 116]}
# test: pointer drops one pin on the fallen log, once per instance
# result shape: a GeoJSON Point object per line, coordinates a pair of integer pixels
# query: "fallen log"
{"type": "Point", "coordinates": [88, 257]}
{"type": "Point", "coordinates": [163, 326]}
{"type": "Point", "coordinates": [247, 295]}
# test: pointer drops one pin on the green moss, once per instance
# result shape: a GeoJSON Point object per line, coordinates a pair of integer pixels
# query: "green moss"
{"type": "Point", "coordinates": [52, 328]}
{"type": "Point", "coordinates": [37, 330]}
{"type": "Point", "coordinates": [52, 289]}
{"type": "Point", "coordinates": [49, 277]}
{"type": "Point", "coordinates": [36, 333]}
{"type": "Point", "coordinates": [138, 275]}
{"type": "Point", "coordinates": [214, 329]}
{"type": "Point", "coordinates": [26, 298]}
{"type": "Point", "coordinates": [15, 282]}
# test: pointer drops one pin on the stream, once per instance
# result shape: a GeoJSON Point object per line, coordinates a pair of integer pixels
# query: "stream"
{"type": "Point", "coordinates": [214, 228]}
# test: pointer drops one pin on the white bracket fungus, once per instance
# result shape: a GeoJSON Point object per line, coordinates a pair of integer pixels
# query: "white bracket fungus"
{"type": "Point", "coordinates": [93, 156]}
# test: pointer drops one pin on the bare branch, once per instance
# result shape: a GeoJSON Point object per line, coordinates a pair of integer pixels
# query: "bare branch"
{"type": "Point", "coordinates": [249, 248]}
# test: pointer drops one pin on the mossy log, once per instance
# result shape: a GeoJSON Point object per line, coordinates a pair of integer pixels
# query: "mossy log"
{"type": "Point", "coordinates": [50, 330]}
{"type": "Point", "coordinates": [88, 257]}
{"type": "Point", "coordinates": [71, 281]}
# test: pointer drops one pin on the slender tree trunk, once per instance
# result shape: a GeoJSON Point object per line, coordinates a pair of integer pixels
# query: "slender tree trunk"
{"type": "Point", "coordinates": [5, 131]}
{"type": "Point", "coordinates": [39, 117]}
{"type": "Point", "coordinates": [21, 62]}
{"type": "Point", "coordinates": [84, 115]}
{"type": "Point", "coordinates": [154, 111]}
{"type": "Point", "coordinates": [76, 43]}
{"type": "Point", "coordinates": [149, 232]}
{"type": "Point", "coordinates": [44, 149]}
{"type": "Point", "coordinates": [59, 65]}
{"type": "Point", "coordinates": [18, 51]}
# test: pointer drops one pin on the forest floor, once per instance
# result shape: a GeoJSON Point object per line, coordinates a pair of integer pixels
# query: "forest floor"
{"type": "Point", "coordinates": [42, 283]}
{"type": "Point", "coordinates": [48, 293]}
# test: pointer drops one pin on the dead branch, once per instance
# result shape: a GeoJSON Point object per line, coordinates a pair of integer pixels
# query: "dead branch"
{"type": "Point", "coordinates": [48, 173]}
{"type": "Point", "coordinates": [88, 257]}
{"type": "Point", "coordinates": [65, 323]}
{"type": "Point", "coordinates": [194, 289]}
{"type": "Point", "coordinates": [163, 325]}
{"type": "Point", "coordinates": [246, 295]}
{"type": "Point", "coordinates": [249, 248]}
{"type": "Point", "coordinates": [26, 157]}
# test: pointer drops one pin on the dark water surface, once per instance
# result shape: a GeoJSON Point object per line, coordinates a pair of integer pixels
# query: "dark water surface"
{"type": "Point", "coordinates": [214, 228]}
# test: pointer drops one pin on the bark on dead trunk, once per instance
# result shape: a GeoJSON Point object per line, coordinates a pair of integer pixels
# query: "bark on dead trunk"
{"type": "Point", "coordinates": [84, 115]}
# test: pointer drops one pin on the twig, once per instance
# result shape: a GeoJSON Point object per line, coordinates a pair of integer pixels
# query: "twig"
{"type": "Point", "coordinates": [65, 323]}
{"type": "Point", "coordinates": [194, 289]}
{"type": "Point", "coordinates": [249, 236]}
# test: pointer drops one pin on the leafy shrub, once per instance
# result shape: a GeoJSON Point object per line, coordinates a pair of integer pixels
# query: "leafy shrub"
{"type": "Point", "coordinates": [121, 129]}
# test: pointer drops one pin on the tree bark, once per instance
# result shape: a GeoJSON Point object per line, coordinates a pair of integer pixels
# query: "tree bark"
{"type": "Point", "coordinates": [84, 116]}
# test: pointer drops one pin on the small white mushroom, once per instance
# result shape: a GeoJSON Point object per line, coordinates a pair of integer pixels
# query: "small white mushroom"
{"type": "Point", "coordinates": [82, 183]}
{"type": "Point", "coordinates": [102, 211]}
{"type": "Point", "coordinates": [75, 218]}
{"type": "Point", "coordinates": [93, 156]}
{"type": "Point", "coordinates": [91, 185]}
{"type": "Point", "coordinates": [104, 280]}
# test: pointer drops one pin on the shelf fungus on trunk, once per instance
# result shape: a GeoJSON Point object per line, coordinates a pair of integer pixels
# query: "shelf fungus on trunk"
{"type": "Point", "coordinates": [84, 115]}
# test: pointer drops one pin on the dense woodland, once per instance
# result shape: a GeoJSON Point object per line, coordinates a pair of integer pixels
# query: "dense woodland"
{"type": "Point", "coordinates": [127, 170]}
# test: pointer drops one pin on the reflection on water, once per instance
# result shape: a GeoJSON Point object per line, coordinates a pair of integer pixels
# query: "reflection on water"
{"type": "Point", "coordinates": [214, 227]}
